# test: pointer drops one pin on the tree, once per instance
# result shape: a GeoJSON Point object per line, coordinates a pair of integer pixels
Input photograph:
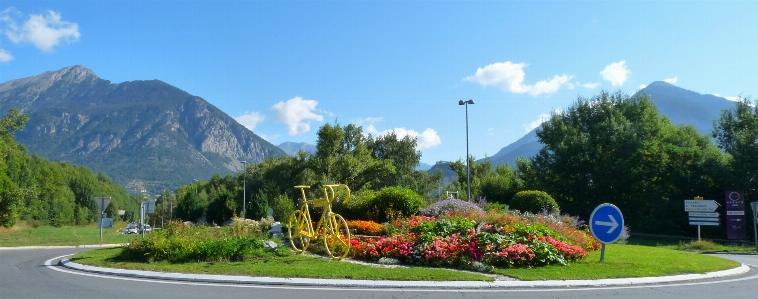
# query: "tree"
{"type": "Point", "coordinates": [11, 196]}
{"type": "Point", "coordinates": [222, 205]}
{"type": "Point", "coordinates": [190, 206]}
{"type": "Point", "coordinates": [13, 121]}
{"type": "Point", "coordinates": [258, 206]}
{"type": "Point", "coordinates": [501, 186]}
{"type": "Point", "coordinates": [736, 132]}
{"type": "Point", "coordinates": [617, 149]}
{"type": "Point", "coordinates": [479, 172]}
{"type": "Point", "coordinates": [343, 156]}
{"type": "Point", "coordinates": [403, 155]}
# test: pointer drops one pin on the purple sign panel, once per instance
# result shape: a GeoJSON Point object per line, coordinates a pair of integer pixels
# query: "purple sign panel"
{"type": "Point", "coordinates": [735, 215]}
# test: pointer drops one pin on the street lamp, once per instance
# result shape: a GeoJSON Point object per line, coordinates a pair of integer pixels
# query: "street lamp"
{"type": "Point", "coordinates": [196, 183]}
{"type": "Point", "coordinates": [468, 170]}
{"type": "Point", "coordinates": [244, 187]}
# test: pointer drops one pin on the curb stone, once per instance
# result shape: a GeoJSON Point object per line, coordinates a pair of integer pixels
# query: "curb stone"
{"type": "Point", "coordinates": [317, 282]}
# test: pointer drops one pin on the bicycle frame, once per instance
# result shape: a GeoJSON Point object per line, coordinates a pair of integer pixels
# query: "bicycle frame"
{"type": "Point", "coordinates": [331, 224]}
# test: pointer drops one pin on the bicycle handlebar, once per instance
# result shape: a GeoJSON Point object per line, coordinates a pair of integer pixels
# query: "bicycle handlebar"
{"type": "Point", "coordinates": [331, 188]}
{"type": "Point", "coordinates": [326, 193]}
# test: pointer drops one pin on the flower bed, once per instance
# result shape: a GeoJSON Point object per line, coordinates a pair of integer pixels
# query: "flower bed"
{"type": "Point", "coordinates": [458, 242]}
{"type": "Point", "coordinates": [366, 228]}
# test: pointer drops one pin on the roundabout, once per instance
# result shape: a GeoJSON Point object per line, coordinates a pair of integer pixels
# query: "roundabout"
{"type": "Point", "coordinates": [47, 273]}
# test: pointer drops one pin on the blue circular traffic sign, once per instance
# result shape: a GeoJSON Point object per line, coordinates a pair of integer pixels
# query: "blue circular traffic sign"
{"type": "Point", "coordinates": [606, 223]}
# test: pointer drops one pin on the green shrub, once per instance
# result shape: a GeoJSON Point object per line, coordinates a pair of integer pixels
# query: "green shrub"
{"type": "Point", "coordinates": [394, 202]}
{"type": "Point", "coordinates": [177, 243]}
{"type": "Point", "coordinates": [428, 231]}
{"type": "Point", "coordinates": [533, 202]}
{"type": "Point", "coordinates": [283, 206]}
{"type": "Point", "coordinates": [356, 208]}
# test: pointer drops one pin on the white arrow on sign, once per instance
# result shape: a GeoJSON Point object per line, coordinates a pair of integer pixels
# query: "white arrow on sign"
{"type": "Point", "coordinates": [613, 224]}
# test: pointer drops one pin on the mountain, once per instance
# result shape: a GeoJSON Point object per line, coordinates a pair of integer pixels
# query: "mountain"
{"type": "Point", "coordinates": [291, 148]}
{"type": "Point", "coordinates": [423, 166]}
{"type": "Point", "coordinates": [681, 106]}
{"type": "Point", "coordinates": [448, 175]}
{"type": "Point", "coordinates": [145, 133]}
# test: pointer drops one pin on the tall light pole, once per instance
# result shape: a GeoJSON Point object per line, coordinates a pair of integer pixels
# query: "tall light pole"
{"type": "Point", "coordinates": [244, 187]}
{"type": "Point", "coordinates": [196, 183]}
{"type": "Point", "coordinates": [468, 170]}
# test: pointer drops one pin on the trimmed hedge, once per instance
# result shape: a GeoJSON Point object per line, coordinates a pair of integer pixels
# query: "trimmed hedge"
{"type": "Point", "coordinates": [533, 202]}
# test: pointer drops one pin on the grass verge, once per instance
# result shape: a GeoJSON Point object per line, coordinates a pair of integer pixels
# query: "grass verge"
{"type": "Point", "coordinates": [691, 245]}
{"type": "Point", "coordinates": [621, 261]}
{"type": "Point", "coordinates": [284, 266]}
{"type": "Point", "coordinates": [22, 235]}
{"type": "Point", "coordinates": [625, 261]}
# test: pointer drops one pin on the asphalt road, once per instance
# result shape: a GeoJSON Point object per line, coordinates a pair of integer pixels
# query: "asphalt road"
{"type": "Point", "coordinates": [23, 274]}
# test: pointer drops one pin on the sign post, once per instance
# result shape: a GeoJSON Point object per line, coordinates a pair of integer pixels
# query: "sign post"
{"type": "Point", "coordinates": [754, 206]}
{"type": "Point", "coordinates": [102, 203]}
{"type": "Point", "coordinates": [146, 207]}
{"type": "Point", "coordinates": [702, 212]}
{"type": "Point", "coordinates": [735, 215]}
{"type": "Point", "coordinates": [606, 224]}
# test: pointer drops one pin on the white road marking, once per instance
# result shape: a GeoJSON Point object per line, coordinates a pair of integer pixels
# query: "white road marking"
{"type": "Point", "coordinates": [49, 265]}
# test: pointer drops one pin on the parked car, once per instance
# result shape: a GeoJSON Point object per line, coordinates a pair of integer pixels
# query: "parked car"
{"type": "Point", "coordinates": [148, 228]}
{"type": "Point", "coordinates": [131, 228]}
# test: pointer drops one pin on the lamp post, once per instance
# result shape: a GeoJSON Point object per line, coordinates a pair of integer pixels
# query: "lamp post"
{"type": "Point", "coordinates": [468, 170]}
{"type": "Point", "coordinates": [244, 187]}
{"type": "Point", "coordinates": [196, 183]}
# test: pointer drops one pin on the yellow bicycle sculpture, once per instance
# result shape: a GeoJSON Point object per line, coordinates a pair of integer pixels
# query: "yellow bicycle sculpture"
{"type": "Point", "coordinates": [331, 228]}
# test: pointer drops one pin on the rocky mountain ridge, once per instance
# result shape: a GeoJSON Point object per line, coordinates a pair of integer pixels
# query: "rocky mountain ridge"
{"type": "Point", "coordinates": [138, 130]}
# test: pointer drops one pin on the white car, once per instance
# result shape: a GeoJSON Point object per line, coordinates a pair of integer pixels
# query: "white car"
{"type": "Point", "coordinates": [131, 228]}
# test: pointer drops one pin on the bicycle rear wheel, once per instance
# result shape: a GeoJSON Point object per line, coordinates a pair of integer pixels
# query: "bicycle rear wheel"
{"type": "Point", "coordinates": [336, 237]}
{"type": "Point", "coordinates": [297, 231]}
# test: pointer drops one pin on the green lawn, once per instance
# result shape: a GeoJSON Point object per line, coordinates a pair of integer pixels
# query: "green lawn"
{"type": "Point", "coordinates": [21, 235]}
{"type": "Point", "coordinates": [699, 246]}
{"type": "Point", "coordinates": [627, 261]}
{"type": "Point", "coordinates": [620, 261]}
{"type": "Point", "coordinates": [285, 266]}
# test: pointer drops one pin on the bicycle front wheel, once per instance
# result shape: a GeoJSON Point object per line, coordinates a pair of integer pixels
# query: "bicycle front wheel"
{"type": "Point", "coordinates": [336, 237]}
{"type": "Point", "coordinates": [297, 231]}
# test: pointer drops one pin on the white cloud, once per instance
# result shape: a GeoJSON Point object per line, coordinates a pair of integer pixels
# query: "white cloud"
{"type": "Point", "coordinates": [509, 76]}
{"type": "Point", "coordinates": [591, 85]}
{"type": "Point", "coordinates": [297, 113]}
{"type": "Point", "coordinates": [250, 119]}
{"type": "Point", "coordinates": [642, 86]}
{"type": "Point", "coordinates": [671, 80]}
{"type": "Point", "coordinates": [44, 31]}
{"type": "Point", "coordinates": [426, 139]}
{"type": "Point", "coordinates": [615, 73]}
{"type": "Point", "coordinates": [5, 56]}
{"type": "Point", "coordinates": [530, 126]}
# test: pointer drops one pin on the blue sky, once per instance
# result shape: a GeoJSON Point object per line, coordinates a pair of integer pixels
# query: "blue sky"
{"type": "Point", "coordinates": [284, 68]}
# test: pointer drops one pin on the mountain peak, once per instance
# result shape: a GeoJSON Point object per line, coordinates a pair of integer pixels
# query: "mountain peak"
{"type": "Point", "coordinates": [41, 82]}
{"type": "Point", "coordinates": [73, 74]}
{"type": "Point", "coordinates": [660, 84]}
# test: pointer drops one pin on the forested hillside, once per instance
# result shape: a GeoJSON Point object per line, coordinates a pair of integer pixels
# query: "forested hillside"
{"type": "Point", "coordinates": [45, 192]}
